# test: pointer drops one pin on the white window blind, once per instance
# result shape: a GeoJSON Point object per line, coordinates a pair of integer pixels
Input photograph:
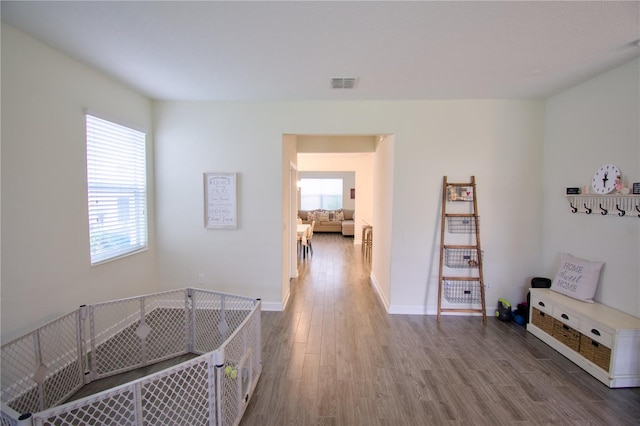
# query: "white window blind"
{"type": "Point", "coordinates": [117, 189]}
{"type": "Point", "coordinates": [321, 194]}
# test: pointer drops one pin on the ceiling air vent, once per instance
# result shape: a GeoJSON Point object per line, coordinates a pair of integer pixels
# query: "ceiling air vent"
{"type": "Point", "coordinates": [344, 83]}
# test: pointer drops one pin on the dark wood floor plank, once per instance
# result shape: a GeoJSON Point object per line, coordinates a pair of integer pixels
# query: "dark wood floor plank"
{"type": "Point", "coordinates": [314, 342]}
{"type": "Point", "coordinates": [295, 365]}
{"type": "Point", "coordinates": [310, 376]}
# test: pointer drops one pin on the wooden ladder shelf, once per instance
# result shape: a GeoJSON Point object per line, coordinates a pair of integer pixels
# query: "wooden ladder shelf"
{"type": "Point", "coordinates": [464, 289]}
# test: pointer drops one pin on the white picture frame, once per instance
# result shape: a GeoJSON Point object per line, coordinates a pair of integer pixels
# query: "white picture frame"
{"type": "Point", "coordinates": [220, 201]}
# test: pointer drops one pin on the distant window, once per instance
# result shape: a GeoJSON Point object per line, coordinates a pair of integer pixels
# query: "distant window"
{"type": "Point", "coordinates": [117, 189]}
{"type": "Point", "coordinates": [323, 194]}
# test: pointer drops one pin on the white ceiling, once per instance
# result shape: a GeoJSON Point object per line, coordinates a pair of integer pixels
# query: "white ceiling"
{"type": "Point", "coordinates": [267, 50]}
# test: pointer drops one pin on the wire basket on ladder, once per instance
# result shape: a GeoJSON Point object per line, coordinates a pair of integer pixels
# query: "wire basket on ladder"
{"type": "Point", "coordinates": [462, 291]}
{"type": "Point", "coordinates": [461, 258]}
{"type": "Point", "coordinates": [462, 225]}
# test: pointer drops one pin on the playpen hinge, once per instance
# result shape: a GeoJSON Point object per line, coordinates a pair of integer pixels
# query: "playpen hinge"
{"type": "Point", "coordinates": [218, 358]}
{"type": "Point", "coordinates": [25, 420]}
{"type": "Point", "coordinates": [83, 353]}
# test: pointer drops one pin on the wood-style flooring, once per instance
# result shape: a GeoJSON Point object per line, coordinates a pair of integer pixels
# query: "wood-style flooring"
{"type": "Point", "coordinates": [335, 357]}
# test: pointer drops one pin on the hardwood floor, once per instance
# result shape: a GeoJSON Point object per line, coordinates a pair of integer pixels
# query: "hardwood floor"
{"type": "Point", "coordinates": [335, 357]}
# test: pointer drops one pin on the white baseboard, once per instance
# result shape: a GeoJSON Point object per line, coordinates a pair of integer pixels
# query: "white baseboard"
{"type": "Point", "coordinates": [432, 310]}
{"type": "Point", "coordinates": [286, 300]}
{"type": "Point", "coordinates": [276, 306]}
{"type": "Point", "coordinates": [272, 306]}
{"type": "Point", "coordinates": [409, 310]}
{"type": "Point", "coordinates": [376, 287]}
{"type": "Point", "coordinates": [426, 309]}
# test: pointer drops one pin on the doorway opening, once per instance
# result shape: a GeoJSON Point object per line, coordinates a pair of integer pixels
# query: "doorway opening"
{"type": "Point", "coordinates": [365, 163]}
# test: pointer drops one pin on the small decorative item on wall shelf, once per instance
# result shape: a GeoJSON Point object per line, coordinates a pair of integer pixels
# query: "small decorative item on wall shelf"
{"type": "Point", "coordinates": [605, 179]}
{"type": "Point", "coordinates": [353, 193]}
{"type": "Point", "coordinates": [636, 188]}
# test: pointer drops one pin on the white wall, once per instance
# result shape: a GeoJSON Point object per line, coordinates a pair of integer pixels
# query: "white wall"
{"type": "Point", "coordinates": [289, 215]}
{"type": "Point", "coordinates": [590, 125]}
{"type": "Point", "coordinates": [197, 137]}
{"type": "Point", "coordinates": [498, 141]}
{"type": "Point", "coordinates": [307, 144]}
{"type": "Point", "coordinates": [46, 268]}
{"type": "Point", "coordinates": [383, 182]}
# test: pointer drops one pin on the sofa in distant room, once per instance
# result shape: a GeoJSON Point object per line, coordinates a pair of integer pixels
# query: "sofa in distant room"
{"type": "Point", "coordinates": [330, 220]}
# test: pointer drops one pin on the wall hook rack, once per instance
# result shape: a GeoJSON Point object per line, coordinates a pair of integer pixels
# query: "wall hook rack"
{"type": "Point", "coordinates": [618, 205]}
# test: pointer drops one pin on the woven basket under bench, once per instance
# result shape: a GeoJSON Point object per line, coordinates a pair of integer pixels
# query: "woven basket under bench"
{"type": "Point", "coordinates": [595, 352]}
{"type": "Point", "coordinates": [568, 336]}
{"type": "Point", "coordinates": [543, 321]}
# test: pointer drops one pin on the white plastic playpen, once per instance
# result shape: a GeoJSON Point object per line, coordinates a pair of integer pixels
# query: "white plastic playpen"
{"type": "Point", "coordinates": [43, 369]}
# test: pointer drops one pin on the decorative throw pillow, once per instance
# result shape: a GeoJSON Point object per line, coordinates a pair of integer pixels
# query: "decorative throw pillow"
{"type": "Point", "coordinates": [332, 216]}
{"type": "Point", "coordinates": [577, 278]}
{"type": "Point", "coordinates": [311, 216]}
{"type": "Point", "coordinates": [322, 216]}
{"type": "Point", "coordinates": [339, 216]}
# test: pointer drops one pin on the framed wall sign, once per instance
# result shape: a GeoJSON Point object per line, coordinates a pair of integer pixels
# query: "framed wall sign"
{"type": "Point", "coordinates": [220, 204]}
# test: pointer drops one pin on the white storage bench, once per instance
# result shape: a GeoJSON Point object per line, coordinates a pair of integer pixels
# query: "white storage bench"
{"type": "Point", "coordinates": [601, 340]}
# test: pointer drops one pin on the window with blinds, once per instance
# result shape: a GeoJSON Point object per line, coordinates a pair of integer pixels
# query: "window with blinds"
{"type": "Point", "coordinates": [321, 193]}
{"type": "Point", "coordinates": [117, 189]}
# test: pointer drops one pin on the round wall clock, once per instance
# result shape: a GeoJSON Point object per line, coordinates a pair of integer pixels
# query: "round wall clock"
{"type": "Point", "coordinates": [604, 180]}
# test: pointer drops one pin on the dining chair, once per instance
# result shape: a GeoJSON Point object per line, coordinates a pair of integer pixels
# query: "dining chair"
{"type": "Point", "coordinates": [300, 246]}
{"type": "Point", "coordinates": [365, 236]}
{"type": "Point", "coordinates": [367, 243]}
{"type": "Point", "coordinates": [310, 236]}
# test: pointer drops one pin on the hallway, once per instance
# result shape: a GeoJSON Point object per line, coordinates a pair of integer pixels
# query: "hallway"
{"type": "Point", "coordinates": [334, 357]}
